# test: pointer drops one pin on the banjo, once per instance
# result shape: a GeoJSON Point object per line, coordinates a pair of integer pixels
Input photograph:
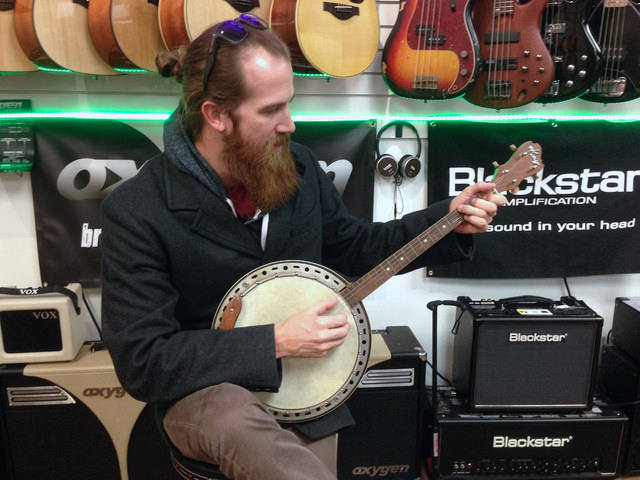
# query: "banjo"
{"type": "Point", "coordinates": [270, 294]}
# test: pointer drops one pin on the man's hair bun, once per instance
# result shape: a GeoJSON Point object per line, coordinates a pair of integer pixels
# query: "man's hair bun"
{"type": "Point", "coordinates": [170, 64]}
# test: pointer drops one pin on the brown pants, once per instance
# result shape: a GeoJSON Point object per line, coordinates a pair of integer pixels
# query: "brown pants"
{"type": "Point", "coordinates": [228, 426]}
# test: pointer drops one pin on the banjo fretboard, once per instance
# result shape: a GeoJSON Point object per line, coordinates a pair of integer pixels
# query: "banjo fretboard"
{"type": "Point", "coordinates": [361, 288]}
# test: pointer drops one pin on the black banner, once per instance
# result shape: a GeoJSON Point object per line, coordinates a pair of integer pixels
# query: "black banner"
{"type": "Point", "coordinates": [579, 218]}
{"type": "Point", "coordinates": [79, 162]}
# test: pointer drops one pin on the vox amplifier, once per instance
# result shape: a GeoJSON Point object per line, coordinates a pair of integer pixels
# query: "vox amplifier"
{"type": "Point", "coordinates": [526, 353]}
{"type": "Point", "coordinates": [474, 445]}
{"type": "Point", "coordinates": [620, 380]}
{"type": "Point", "coordinates": [386, 442]}
{"type": "Point", "coordinates": [73, 421]}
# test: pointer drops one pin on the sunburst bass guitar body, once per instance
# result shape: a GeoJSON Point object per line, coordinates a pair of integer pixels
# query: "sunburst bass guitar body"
{"type": "Point", "coordinates": [181, 21]}
{"type": "Point", "coordinates": [55, 34]}
{"type": "Point", "coordinates": [12, 58]}
{"type": "Point", "coordinates": [432, 51]}
{"type": "Point", "coordinates": [516, 66]}
{"type": "Point", "coordinates": [126, 32]}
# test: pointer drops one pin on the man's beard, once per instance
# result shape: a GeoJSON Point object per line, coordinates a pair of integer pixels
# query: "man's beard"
{"type": "Point", "coordinates": [269, 177]}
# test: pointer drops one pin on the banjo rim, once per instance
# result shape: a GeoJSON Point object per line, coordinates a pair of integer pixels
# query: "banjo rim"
{"type": "Point", "coordinates": [336, 283]}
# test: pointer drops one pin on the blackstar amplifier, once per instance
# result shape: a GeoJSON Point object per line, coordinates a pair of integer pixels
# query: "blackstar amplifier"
{"type": "Point", "coordinates": [73, 421]}
{"type": "Point", "coordinates": [476, 445]}
{"type": "Point", "coordinates": [526, 353]}
{"type": "Point", "coordinates": [625, 332]}
{"type": "Point", "coordinates": [620, 379]}
{"type": "Point", "coordinates": [386, 442]}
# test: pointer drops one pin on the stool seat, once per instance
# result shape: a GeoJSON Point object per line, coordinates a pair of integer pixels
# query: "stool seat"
{"type": "Point", "coordinates": [191, 469]}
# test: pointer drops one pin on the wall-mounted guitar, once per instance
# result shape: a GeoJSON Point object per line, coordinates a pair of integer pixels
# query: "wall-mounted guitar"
{"type": "Point", "coordinates": [126, 32]}
{"type": "Point", "coordinates": [312, 387]}
{"type": "Point", "coordinates": [337, 38]}
{"type": "Point", "coordinates": [616, 27]}
{"type": "Point", "coordinates": [575, 53]}
{"type": "Point", "coordinates": [183, 20]}
{"type": "Point", "coordinates": [12, 58]}
{"type": "Point", "coordinates": [432, 51]}
{"type": "Point", "coordinates": [516, 65]}
{"type": "Point", "coordinates": [55, 34]}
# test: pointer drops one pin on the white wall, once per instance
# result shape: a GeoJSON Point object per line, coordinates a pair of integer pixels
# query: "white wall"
{"type": "Point", "coordinates": [402, 300]}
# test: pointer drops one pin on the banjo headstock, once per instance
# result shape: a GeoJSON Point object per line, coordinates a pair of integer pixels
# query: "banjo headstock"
{"type": "Point", "coordinates": [526, 161]}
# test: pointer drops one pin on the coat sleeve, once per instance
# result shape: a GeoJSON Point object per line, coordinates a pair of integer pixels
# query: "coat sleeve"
{"type": "Point", "coordinates": [155, 359]}
{"type": "Point", "coordinates": [354, 246]}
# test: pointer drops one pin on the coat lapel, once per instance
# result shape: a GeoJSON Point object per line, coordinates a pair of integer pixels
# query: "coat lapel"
{"type": "Point", "coordinates": [213, 217]}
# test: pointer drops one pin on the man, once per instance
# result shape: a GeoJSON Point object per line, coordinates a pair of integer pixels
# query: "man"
{"type": "Point", "coordinates": [230, 194]}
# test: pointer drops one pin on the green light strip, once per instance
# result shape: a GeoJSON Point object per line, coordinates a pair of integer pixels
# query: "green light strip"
{"type": "Point", "coordinates": [632, 117]}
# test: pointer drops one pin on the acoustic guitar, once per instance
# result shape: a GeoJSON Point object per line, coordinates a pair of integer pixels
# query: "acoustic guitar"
{"type": "Point", "coordinates": [55, 35]}
{"type": "Point", "coordinates": [12, 58]}
{"type": "Point", "coordinates": [616, 27]}
{"type": "Point", "coordinates": [312, 387]}
{"type": "Point", "coordinates": [126, 32]}
{"type": "Point", "coordinates": [432, 51]}
{"type": "Point", "coordinates": [574, 51]}
{"type": "Point", "coordinates": [516, 65]}
{"type": "Point", "coordinates": [339, 39]}
{"type": "Point", "coordinates": [183, 20]}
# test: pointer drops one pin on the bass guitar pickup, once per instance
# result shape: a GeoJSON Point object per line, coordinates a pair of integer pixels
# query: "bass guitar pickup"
{"type": "Point", "coordinates": [500, 64]}
{"type": "Point", "coordinates": [426, 34]}
{"type": "Point", "coordinates": [340, 11]}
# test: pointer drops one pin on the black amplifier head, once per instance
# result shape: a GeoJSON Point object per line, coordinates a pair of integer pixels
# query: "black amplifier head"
{"type": "Point", "coordinates": [584, 444]}
{"type": "Point", "coordinates": [526, 353]}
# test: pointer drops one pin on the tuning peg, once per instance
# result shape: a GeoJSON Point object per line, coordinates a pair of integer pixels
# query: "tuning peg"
{"type": "Point", "coordinates": [495, 164]}
{"type": "Point", "coordinates": [513, 147]}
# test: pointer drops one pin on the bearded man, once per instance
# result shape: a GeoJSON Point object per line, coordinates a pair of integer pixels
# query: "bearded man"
{"type": "Point", "coordinates": [229, 194]}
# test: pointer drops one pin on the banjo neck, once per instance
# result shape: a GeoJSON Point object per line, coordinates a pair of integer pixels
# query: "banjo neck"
{"type": "Point", "coordinates": [361, 288]}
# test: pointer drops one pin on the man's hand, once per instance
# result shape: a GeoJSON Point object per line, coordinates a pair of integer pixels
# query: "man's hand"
{"type": "Point", "coordinates": [479, 212]}
{"type": "Point", "coordinates": [311, 334]}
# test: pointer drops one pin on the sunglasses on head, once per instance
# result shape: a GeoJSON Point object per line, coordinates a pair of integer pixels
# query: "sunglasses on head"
{"type": "Point", "coordinates": [233, 31]}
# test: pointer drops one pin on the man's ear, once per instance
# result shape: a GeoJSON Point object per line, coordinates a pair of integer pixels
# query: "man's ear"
{"type": "Point", "coordinates": [215, 116]}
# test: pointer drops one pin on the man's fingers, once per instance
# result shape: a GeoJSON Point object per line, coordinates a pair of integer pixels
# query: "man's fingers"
{"type": "Point", "coordinates": [323, 306]}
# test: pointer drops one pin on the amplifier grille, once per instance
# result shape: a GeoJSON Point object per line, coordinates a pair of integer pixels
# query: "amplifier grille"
{"type": "Point", "coordinates": [398, 377]}
{"type": "Point", "coordinates": [44, 395]}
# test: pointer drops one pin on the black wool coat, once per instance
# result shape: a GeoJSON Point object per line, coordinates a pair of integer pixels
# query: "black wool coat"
{"type": "Point", "coordinates": [172, 248]}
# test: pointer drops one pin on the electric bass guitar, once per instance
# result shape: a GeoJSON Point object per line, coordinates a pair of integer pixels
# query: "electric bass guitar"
{"type": "Point", "coordinates": [12, 58]}
{"type": "Point", "coordinates": [312, 387]}
{"type": "Point", "coordinates": [339, 38]}
{"type": "Point", "coordinates": [126, 32]}
{"type": "Point", "coordinates": [432, 51]}
{"type": "Point", "coordinates": [575, 53]}
{"type": "Point", "coordinates": [516, 65]}
{"type": "Point", "coordinates": [55, 35]}
{"type": "Point", "coordinates": [616, 27]}
{"type": "Point", "coordinates": [181, 21]}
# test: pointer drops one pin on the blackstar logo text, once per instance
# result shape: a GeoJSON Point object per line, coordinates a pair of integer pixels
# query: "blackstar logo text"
{"type": "Point", "coordinates": [500, 441]}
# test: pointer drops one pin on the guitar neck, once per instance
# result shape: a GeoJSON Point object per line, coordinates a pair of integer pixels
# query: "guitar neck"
{"type": "Point", "coordinates": [361, 288]}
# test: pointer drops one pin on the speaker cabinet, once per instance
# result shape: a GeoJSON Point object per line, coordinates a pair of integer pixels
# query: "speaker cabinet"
{"type": "Point", "coordinates": [620, 379]}
{"type": "Point", "coordinates": [526, 353]}
{"type": "Point", "coordinates": [73, 421]}
{"type": "Point", "coordinates": [387, 406]}
{"type": "Point", "coordinates": [625, 332]}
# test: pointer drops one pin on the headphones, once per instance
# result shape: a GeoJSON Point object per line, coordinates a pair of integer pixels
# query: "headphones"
{"type": "Point", "coordinates": [387, 165]}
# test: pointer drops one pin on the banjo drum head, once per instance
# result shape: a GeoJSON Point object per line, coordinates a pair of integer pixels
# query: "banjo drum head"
{"type": "Point", "coordinates": [311, 387]}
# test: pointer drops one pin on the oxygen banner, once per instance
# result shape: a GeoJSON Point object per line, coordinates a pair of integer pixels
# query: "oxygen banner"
{"type": "Point", "coordinates": [580, 217]}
